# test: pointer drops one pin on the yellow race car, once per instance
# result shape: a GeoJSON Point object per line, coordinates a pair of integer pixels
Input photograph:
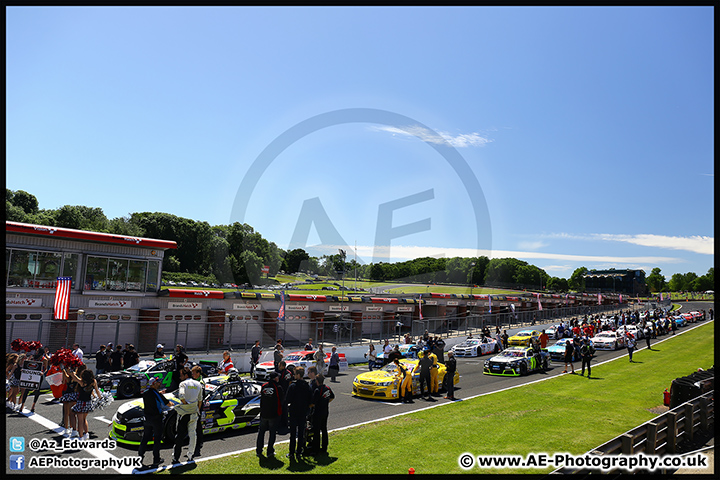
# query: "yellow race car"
{"type": "Point", "coordinates": [523, 338]}
{"type": "Point", "coordinates": [383, 384]}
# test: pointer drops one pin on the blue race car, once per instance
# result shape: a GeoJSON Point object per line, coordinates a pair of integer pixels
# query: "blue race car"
{"type": "Point", "coordinates": [557, 351]}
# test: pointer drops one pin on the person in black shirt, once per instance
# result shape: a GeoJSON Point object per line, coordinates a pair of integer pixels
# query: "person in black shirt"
{"type": "Point", "coordinates": [271, 395]}
{"type": "Point", "coordinates": [116, 358]}
{"type": "Point", "coordinates": [101, 360]}
{"type": "Point", "coordinates": [449, 380]}
{"type": "Point", "coordinates": [179, 359]}
{"type": "Point", "coordinates": [299, 396]}
{"type": "Point", "coordinates": [322, 397]}
{"type": "Point", "coordinates": [153, 404]}
{"type": "Point", "coordinates": [285, 376]}
{"type": "Point", "coordinates": [424, 364]}
{"type": "Point", "coordinates": [131, 357]}
{"type": "Point", "coordinates": [255, 353]}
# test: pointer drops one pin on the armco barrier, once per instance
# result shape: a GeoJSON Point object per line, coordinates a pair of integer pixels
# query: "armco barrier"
{"type": "Point", "coordinates": [661, 435]}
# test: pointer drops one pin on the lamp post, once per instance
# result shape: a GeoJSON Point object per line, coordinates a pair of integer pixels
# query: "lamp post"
{"type": "Point", "coordinates": [342, 295]}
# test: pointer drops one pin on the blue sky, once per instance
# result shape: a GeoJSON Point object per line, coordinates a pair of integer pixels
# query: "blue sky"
{"type": "Point", "coordinates": [565, 137]}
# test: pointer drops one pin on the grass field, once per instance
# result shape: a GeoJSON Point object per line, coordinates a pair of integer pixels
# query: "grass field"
{"type": "Point", "coordinates": [569, 413]}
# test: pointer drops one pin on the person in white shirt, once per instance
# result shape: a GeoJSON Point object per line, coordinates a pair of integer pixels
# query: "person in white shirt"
{"type": "Point", "coordinates": [77, 352]}
{"type": "Point", "coordinates": [190, 398]}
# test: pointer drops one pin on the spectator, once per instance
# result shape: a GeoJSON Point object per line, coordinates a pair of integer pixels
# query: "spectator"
{"type": "Point", "coordinates": [285, 377]}
{"type": "Point", "coordinates": [278, 354]}
{"type": "Point", "coordinates": [77, 351]}
{"type": "Point", "coordinates": [101, 360]}
{"type": "Point", "coordinates": [131, 357]}
{"type": "Point", "coordinates": [190, 394]}
{"type": "Point", "coordinates": [647, 332]}
{"type": "Point", "coordinates": [334, 365]}
{"type": "Point", "coordinates": [270, 410]}
{"type": "Point", "coordinates": [505, 339]}
{"type": "Point", "coordinates": [440, 348]}
{"type": "Point", "coordinates": [424, 364]}
{"type": "Point", "coordinates": [544, 339]}
{"type": "Point", "coordinates": [309, 346]}
{"type": "Point", "coordinates": [116, 359]}
{"type": "Point", "coordinates": [226, 364]}
{"type": "Point", "coordinates": [154, 402]}
{"type": "Point", "coordinates": [179, 361]}
{"type": "Point", "coordinates": [196, 372]}
{"type": "Point", "coordinates": [319, 357]}
{"type": "Point", "coordinates": [394, 353]}
{"type": "Point", "coordinates": [449, 380]}
{"type": "Point", "coordinates": [569, 348]}
{"type": "Point", "coordinates": [299, 396]}
{"type": "Point", "coordinates": [41, 355]}
{"type": "Point", "coordinates": [586, 352]}
{"type": "Point", "coordinates": [159, 352]}
{"type": "Point", "coordinates": [322, 397]}
{"type": "Point", "coordinates": [630, 343]}
{"type": "Point", "coordinates": [255, 353]}
{"type": "Point", "coordinates": [386, 352]}
{"type": "Point", "coordinates": [371, 355]}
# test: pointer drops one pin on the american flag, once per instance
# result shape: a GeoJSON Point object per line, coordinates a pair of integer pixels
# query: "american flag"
{"type": "Point", "coordinates": [539, 304]}
{"type": "Point", "coordinates": [599, 299]}
{"type": "Point", "coordinates": [489, 304]}
{"type": "Point", "coordinates": [62, 298]}
{"type": "Point", "coordinates": [420, 306]}
{"type": "Point", "coordinates": [281, 310]}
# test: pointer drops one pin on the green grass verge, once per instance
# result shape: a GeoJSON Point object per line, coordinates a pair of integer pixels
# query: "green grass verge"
{"type": "Point", "coordinates": [569, 413]}
{"type": "Point", "coordinates": [453, 289]}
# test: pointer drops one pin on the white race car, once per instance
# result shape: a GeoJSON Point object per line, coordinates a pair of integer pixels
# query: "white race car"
{"type": "Point", "coordinates": [475, 347]}
{"type": "Point", "coordinates": [608, 340]}
{"type": "Point", "coordinates": [303, 358]}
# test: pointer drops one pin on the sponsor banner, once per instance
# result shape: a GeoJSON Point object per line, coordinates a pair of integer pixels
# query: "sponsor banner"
{"type": "Point", "coordinates": [247, 306]}
{"type": "Point", "coordinates": [336, 308]}
{"type": "Point", "coordinates": [23, 302]}
{"type": "Point", "coordinates": [297, 308]}
{"type": "Point", "coordinates": [110, 304]}
{"type": "Point", "coordinates": [472, 304]}
{"type": "Point", "coordinates": [373, 309]}
{"type": "Point", "coordinates": [406, 309]}
{"type": "Point", "coordinates": [185, 305]}
{"type": "Point", "coordinates": [453, 303]}
{"type": "Point", "coordinates": [503, 304]}
{"type": "Point", "coordinates": [430, 302]}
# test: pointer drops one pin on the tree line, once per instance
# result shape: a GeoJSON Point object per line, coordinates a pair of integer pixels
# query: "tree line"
{"type": "Point", "coordinates": [236, 253]}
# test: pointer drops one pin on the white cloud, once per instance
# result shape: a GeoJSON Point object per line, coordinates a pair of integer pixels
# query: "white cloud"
{"type": "Point", "coordinates": [695, 243]}
{"type": "Point", "coordinates": [426, 135]}
{"type": "Point", "coordinates": [532, 245]}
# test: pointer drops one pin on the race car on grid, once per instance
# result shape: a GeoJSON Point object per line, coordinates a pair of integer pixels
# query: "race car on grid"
{"type": "Point", "coordinates": [516, 361]}
{"type": "Point", "coordinates": [523, 337]}
{"type": "Point", "coordinates": [475, 347]}
{"type": "Point", "coordinates": [231, 402]}
{"type": "Point", "coordinates": [132, 381]}
{"type": "Point", "coordinates": [383, 384]}
{"type": "Point", "coordinates": [608, 340]}
{"type": "Point", "coordinates": [302, 358]}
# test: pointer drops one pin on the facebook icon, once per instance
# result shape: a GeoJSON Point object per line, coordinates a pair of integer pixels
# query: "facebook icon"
{"type": "Point", "coordinates": [17, 462]}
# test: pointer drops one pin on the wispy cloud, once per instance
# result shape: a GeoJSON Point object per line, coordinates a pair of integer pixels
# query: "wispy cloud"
{"type": "Point", "coordinates": [695, 243]}
{"type": "Point", "coordinates": [458, 141]}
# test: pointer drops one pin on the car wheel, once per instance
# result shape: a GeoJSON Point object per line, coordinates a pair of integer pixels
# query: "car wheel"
{"type": "Point", "coordinates": [128, 388]}
{"type": "Point", "coordinates": [170, 428]}
{"type": "Point", "coordinates": [523, 370]}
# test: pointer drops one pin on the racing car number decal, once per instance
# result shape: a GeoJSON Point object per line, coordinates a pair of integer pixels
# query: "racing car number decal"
{"type": "Point", "coordinates": [533, 363]}
{"type": "Point", "coordinates": [229, 406]}
{"type": "Point", "coordinates": [165, 381]}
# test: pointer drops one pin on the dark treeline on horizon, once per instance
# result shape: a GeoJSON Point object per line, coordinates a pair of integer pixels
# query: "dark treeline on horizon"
{"type": "Point", "coordinates": [236, 254]}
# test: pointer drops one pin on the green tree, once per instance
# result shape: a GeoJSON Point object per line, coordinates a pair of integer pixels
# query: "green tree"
{"type": "Point", "coordinates": [576, 281]}
{"type": "Point", "coordinates": [26, 201]}
{"type": "Point", "coordinates": [655, 281]}
{"type": "Point", "coordinates": [14, 213]}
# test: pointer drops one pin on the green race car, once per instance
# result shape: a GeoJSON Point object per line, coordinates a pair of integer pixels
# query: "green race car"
{"type": "Point", "coordinates": [516, 361]}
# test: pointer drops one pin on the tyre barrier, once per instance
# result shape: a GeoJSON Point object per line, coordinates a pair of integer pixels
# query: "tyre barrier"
{"type": "Point", "coordinates": [691, 386]}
